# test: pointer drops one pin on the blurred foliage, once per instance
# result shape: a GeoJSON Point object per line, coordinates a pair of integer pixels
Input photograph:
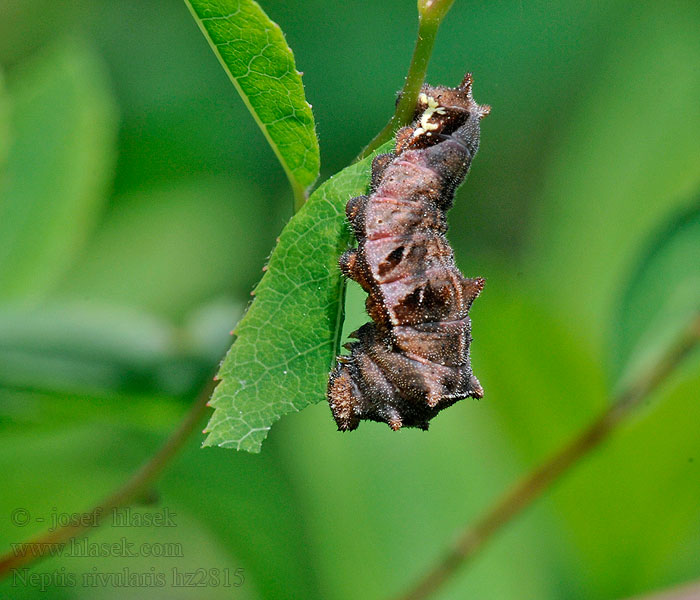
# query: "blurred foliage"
{"type": "Point", "coordinates": [58, 164]}
{"type": "Point", "coordinates": [138, 203]}
{"type": "Point", "coordinates": [617, 164]}
{"type": "Point", "coordinates": [663, 295]}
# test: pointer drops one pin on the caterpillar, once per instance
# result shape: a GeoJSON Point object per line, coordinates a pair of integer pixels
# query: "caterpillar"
{"type": "Point", "coordinates": [412, 360]}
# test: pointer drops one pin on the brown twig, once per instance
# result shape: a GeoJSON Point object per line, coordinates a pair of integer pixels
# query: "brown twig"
{"type": "Point", "coordinates": [529, 488]}
{"type": "Point", "coordinates": [138, 483]}
{"type": "Point", "coordinates": [685, 591]}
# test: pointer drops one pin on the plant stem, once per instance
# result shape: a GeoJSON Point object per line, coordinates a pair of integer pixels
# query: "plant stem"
{"type": "Point", "coordinates": [531, 486]}
{"type": "Point", "coordinates": [139, 482]}
{"type": "Point", "coordinates": [686, 591]}
{"type": "Point", "coordinates": [299, 196]}
{"type": "Point", "coordinates": [430, 15]}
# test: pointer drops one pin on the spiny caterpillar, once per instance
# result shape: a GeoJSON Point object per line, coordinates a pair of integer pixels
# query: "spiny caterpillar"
{"type": "Point", "coordinates": [413, 359]}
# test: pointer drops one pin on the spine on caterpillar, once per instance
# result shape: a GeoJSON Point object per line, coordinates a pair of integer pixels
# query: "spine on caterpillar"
{"type": "Point", "coordinates": [412, 360]}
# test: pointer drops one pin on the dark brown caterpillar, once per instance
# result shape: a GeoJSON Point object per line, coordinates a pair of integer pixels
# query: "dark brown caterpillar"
{"type": "Point", "coordinates": [413, 359]}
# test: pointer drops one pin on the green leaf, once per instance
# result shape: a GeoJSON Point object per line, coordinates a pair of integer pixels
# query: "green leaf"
{"type": "Point", "coordinates": [663, 296]}
{"type": "Point", "coordinates": [254, 53]}
{"type": "Point", "coordinates": [62, 129]}
{"type": "Point", "coordinates": [287, 341]}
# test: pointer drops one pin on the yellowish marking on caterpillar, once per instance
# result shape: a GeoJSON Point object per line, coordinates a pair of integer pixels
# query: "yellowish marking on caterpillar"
{"type": "Point", "coordinates": [433, 107]}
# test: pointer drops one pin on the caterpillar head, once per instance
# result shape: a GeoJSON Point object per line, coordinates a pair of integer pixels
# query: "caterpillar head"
{"type": "Point", "coordinates": [458, 98]}
{"type": "Point", "coordinates": [440, 110]}
{"type": "Point", "coordinates": [453, 105]}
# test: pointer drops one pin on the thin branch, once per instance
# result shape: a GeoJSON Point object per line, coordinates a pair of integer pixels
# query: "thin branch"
{"type": "Point", "coordinates": [686, 591]}
{"type": "Point", "coordinates": [529, 488]}
{"type": "Point", "coordinates": [132, 489]}
{"type": "Point", "coordinates": [430, 15]}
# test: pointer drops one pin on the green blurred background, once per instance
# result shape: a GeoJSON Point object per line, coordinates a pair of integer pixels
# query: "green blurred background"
{"type": "Point", "coordinates": [139, 202]}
